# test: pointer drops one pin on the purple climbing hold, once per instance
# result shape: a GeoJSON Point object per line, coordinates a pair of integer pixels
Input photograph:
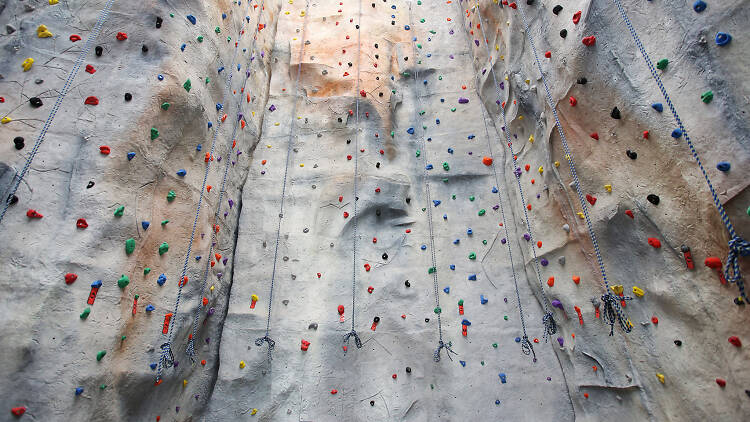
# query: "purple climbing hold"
{"type": "Point", "coordinates": [462, 100]}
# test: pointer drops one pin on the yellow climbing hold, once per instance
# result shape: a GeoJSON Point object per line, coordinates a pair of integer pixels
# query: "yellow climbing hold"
{"type": "Point", "coordinates": [242, 364]}
{"type": "Point", "coordinates": [268, 145]}
{"type": "Point", "coordinates": [184, 383]}
{"type": "Point", "coordinates": [302, 13]}
{"type": "Point", "coordinates": [212, 288]}
{"type": "Point", "coordinates": [254, 411]}
{"type": "Point", "coordinates": [580, 214]}
{"type": "Point", "coordinates": [557, 164]}
{"type": "Point", "coordinates": [528, 81]}
{"type": "Point", "coordinates": [301, 164]}
{"type": "Point", "coordinates": [502, 57]}
{"type": "Point", "coordinates": [286, 13]}
{"type": "Point", "coordinates": [661, 377]}
{"type": "Point", "coordinates": [638, 291]}
{"type": "Point", "coordinates": [276, 124]}
{"type": "Point", "coordinates": [541, 169]}
{"type": "Point", "coordinates": [254, 297]}
{"type": "Point", "coordinates": [497, 47]}
{"type": "Point", "coordinates": [618, 289]}
{"type": "Point", "coordinates": [506, 77]}
{"type": "Point", "coordinates": [27, 64]}
{"type": "Point", "coordinates": [43, 32]}
{"type": "Point", "coordinates": [608, 188]}
{"type": "Point", "coordinates": [531, 138]}
{"type": "Point", "coordinates": [6, 120]}
{"type": "Point", "coordinates": [51, 2]}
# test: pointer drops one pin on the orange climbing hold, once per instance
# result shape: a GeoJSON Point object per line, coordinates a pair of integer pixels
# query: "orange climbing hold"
{"type": "Point", "coordinates": [576, 279]}
{"type": "Point", "coordinates": [487, 161]}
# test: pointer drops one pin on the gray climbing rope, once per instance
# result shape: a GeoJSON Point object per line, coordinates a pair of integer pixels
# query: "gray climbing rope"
{"type": "Point", "coordinates": [266, 338]}
{"type": "Point", "coordinates": [58, 102]}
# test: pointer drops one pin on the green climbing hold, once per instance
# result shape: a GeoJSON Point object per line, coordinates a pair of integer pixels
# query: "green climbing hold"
{"type": "Point", "coordinates": [171, 196]}
{"type": "Point", "coordinates": [471, 198]}
{"type": "Point", "coordinates": [164, 223]}
{"type": "Point", "coordinates": [482, 362]}
{"type": "Point", "coordinates": [419, 45]}
{"type": "Point", "coordinates": [146, 271]}
{"type": "Point", "coordinates": [748, 210]}
{"type": "Point", "coordinates": [187, 85]}
{"type": "Point", "coordinates": [494, 345]}
{"type": "Point", "coordinates": [100, 355]}
{"type": "Point", "coordinates": [421, 20]}
{"type": "Point", "coordinates": [460, 302]}
{"type": "Point", "coordinates": [137, 296]}
{"type": "Point", "coordinates": [85, 313]}
{"type": "Point", "coordinates": [662, 64]}
{"type": "Point", "coordinates": [405, 75]}
{"type": "Point", "coordinates": [445, 180]}
{"type": "Point", "coordinates": [438, 310]}
{"type": "Point", "coordinates": [419, 2]}
{"type": "Point", "coordinates": [453, 196]}
{"type": "Point", "coordinates": [154, 133]}
{"type": "Point", "coordinates": [119, 211]}
{"type": "Point", "coordinates": [208, 80]}
{"type": "Point", "coordinates": [217, 30]}
{"type": "Point", "coordinates": [229, 39]}
{"type": "Point", "coordinates": [446, 167]}
{"type": "Point", "coordinates": [103, 387]}
{"type": "Point", "coordinates": [419, 153]}
{"type": "Point", "coordinates": [163, 248]}
{"type": "Point", "coordinates": [707, 97]}
{"type": "Point", "coordinates": [484, 242]}
{"type": "Point", "coordinates": [505, 317]}
{"type": "Point", "coordinates": [171, 15]}
{"type": "Point", "coordinates": [165, 105]}
{"type": "Point", "coordinates": [422, 112]}
{"type": "Point", "coordinates": [431, 270]}
{"type": "Point", "coordinates": [129, 246]}
{"type": "Point", "coordinates": [453, 109]}
{"type": "Point", "coordinates": [481, 212]}
{"type": "Point", "coordinates": [424, 209]}
{"type": "Point", "coordinates": [200, 38]}
{"type": "Point", "coordinates": [432, 387]}
{"type": "Point", "coordinates": [393, 134]}
{"type": "Point", "coordinates": [472, 255]}
{"type": "Point", "coordinates": [123, 338]}
{"type": "Point", "coordinates": [432, 31]}
{"type": "Point", "coordinates": [123, 281]}
{"type": "Point", "coordinates": [440, 78]}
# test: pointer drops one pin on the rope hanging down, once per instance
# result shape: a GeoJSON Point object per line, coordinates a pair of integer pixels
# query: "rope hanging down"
{"type": "Point", "coordinates": [737, 245]}
{"type": "Point", "coordinates": [526, 347]}
{"type": "Point", "coordinates": [548, 320]}
{"type": "Point", "coordinates": [190, 351]}
{"type": "Point", "coordinates": [167, 355]}
{"type": "Point", "coordinates": [58, 102]}
{"type": "Point", "coordinates": [433, 269]}
{"type": "Point", "coordinates": [266, 338]}
{"type": "Point", "coordinates": [353, 332]}
{"type": "Point", "coordinates": [613, 313]}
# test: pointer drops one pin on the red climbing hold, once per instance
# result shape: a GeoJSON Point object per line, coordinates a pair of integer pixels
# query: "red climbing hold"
{"type": "Point", "coordinates": [589, 41]}
{"type": "Point", "coordinates": [362, 93]}
{"type": "Point", "coordinates": [346, 214]}
{"type": "Point", "coordinates": [735, 341]}
{"type": "Point", "coordinates": [70, 278]}
{"type": "Point", "coordinates": [370, 289]}
{"type": "Point", "coordinates": [591, 199]}
{"type": "Point", "coordinates": [629, 213]}
{"type": "Point", "coordinates": [121, 36]}
{"type": "Point", "coordinates": [573, 101]}
{"type": "Point", "coordinates": [715, 263]}
{"type": "Point", "coordinates": [594, 135]}
{"type": "Point", "coordinates": [645, 134]}
{"type": "Point", "coordinates": [74, 38]}
{"type": "Point", "coordinates": [348, 157]}
{"type": "Point", "coordinates": [654, 242]}
{"type": "Point", "coordinates": [81, 224]}
{"type": "Point", "coordinates": [91, 101]}
{"type": "Point", "coordinates": [548, 54]}
{"type": "Point", "coordinates": [721, 382]}
{"type": "Point", "coordinates": [527, 167]}
{"type": "Point", "coordinates": [367, 267]}
{"type": "Point", "coordinates": [33, 214]}
{"type": "Point", "coordinates": [203, 362]}
{"type": "Point", "coordinates": [487, 161]}
{"type": "Point", "coordinates": [104, 150]}
{"type": "Point", "coordinates": [394, 376]}
{"type": "Point", "coordinates": [261, 26]}
{"type": "Point", "coordinates": [305, 345]}
{"type": "Point", "coordinates": [377, 190]}
{"type": "Point", "coordinates": [334, 391]}
{"type": "Point", "coordinates": [577, 17]}
{"type": "Point", "coordinates": [513, 5]}
{"type": "Point", "coordinates": [655, 320]}
{"type": "Point", "coordinates": [18, 411]}
{"type": "Point", "coordinates": [551, 281]}
{"type": "Point", "coordinates": [90, 69]}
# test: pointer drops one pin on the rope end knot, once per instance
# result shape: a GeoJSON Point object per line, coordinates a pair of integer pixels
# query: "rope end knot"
{"type": "Point", "coordinates": [271, 344]}
{"type": "Point", "coordinates": [613, 312]}
{"type": "Point", "coordinates": [357, 341]}
{"type": "Point", "coordinates": [441, 345]}
{"type": "Point", "coordinates": [737, 247]}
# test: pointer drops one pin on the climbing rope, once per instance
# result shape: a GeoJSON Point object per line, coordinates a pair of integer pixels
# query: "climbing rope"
{"type": "Point", "coordinates": [613, 313]}
{"type": "Point", "coordinates": [548, 320]}
{"type": "Point", "coordinates": [737, 245]}
{"type": "Point", "coordinates": [433, 269]}
{"type": "Point", "coordinates": [190, 351]}
{"type": "Point", "coordinates": [167, 356]}
{"type": "Point", "coordinates": [526, 346]}
{"type": "Point", "coordinates": [58, 102]}
{"type": "Point", "coordinates": [353, 332]}
{"type": "Point", "coordinates": [266, 338]}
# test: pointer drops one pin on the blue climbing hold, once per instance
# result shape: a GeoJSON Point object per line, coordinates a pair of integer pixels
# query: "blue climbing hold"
{"type": "Point", "coordinates": [658, 107]}
{"type": "Point", "coordinates": [221, 69]}
{"type": "Point", "coordinates": [197, 258]}
{"type": "Point", "coordinates": [145, 224]}
{"type": "Point", "coordinates": [219, 106]}
{"type": "Point", "coordinates": [210, 125]}
{"type": "Point", "coordinates": [410, 131]}
{"type": "Point", "coordinates": [223, 15]}
{"type": "Point", "coordinates": [463, 363]}
{"type": "Point", "coordinates": [79, 391]}
{"type": "Point", "coordinates": [471, 136]}
{"type": "Point", "coordinates": [181, 172]}
{"type": "Point", "coordinates": [723, 166]}
{"type": "Point", "coordinates": [469, 231]}
{"type": "Point", "coordinates": [483, 299]}
{"type": "Point", "coordinates": [457, 241]}
{"type": "Point", "coordinates": [150, 308]}
{"type": "Point", "coordinates": [436, 202]}
{"type": "Point", "coordinates": [191, 18]}
{"type": "Point", "coordinates": [450, 150]}
{"type": "Point", "coordinates": [473, 277]}
{"type": "Point", "coordinates": [502, 377]}
{"type": "Point", "coordinates": [199, 147]}
{"type": "Point", "coordinates": [466, 322]}
{"type": "Point", "coordinates": [497, 402]}
{"type": "Point", "coordinates": [423, 247]}
{"type": "Point", "coordinates": [247, 18]}
{"type": "Point", "coordinates": [495, 190]}
{"type": "Point", "coordinates": [722, 39]}
{"type": "Point", "coordinates": [447, 289]}
{"type": "Point", "coordinates": [677, 133]}
{"type": "Point", "coordinates": [239, 66]}
{"type": "Point", "coordinates": [442, 100]}
{"type": "Point", "coordinates": [152, 365]}
{"type": "Point", "coordinates": [160, 77]}
{"type": "Point", "coordinates": [131, 155]}
{"type": "Point", "coordinates": [424, 81]}
{"type": "Point", "coordinates": [518, 339]}
{"type": "Point", "coordinates": [699, 6]}
{"type": "Point", "coordinates": [429, 167]}
{"type": "Point", "coordinates": [97, 284]}
{"type": "Point", "coordinates": [162, 279]}
{"type": "Point", "coordinates": [182, 47]}
{"type": "Point", "coordinates": [437, 121]}
{"type": "Point", "coordinates": [452, 267]}
{"type": "Point", "coordinates": [445, 216]}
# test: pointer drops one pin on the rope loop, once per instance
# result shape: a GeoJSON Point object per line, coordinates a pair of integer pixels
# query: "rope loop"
{"type": "Point", "coordinates": [357, 341]}
{"type": "Point", "coordinates": [613, 312]}
{"type": "Point", "coordinates": [441, 345]}
{"type": "Point", "coordinates": [190, 351]}
{"type": "Point", "coordinates": [271, 344]}
{"type": "Point", "coordinates": [737, 247]}
{"type": "Point", "coordinates": [167, 357]}
{"type": "Point", "coordinates": [527, 348]}
{"type": "Point", "coordinates": [550, 326]}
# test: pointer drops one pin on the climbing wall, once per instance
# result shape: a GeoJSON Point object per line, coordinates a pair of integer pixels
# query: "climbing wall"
{"type": "Point", "coordinates": [385, 210]}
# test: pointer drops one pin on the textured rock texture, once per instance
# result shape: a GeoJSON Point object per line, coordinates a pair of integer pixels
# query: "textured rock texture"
{"type": "Point", "coordinates": [308, 132]}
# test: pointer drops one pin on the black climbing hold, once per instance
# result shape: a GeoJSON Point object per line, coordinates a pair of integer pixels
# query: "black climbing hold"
{"type": "Point", "coordinates": [144, 48]}
{"type": "Point", "coordinates": [615, 113]}
{"type": "Point", "coordinates": [377, 165]}
{"type": "Point", "coordinates": [158, 22]}
{"type": "Point", "coordinates": [529, 2]}
{"type": "Point", "coordinates": [376, 319]}
{"type": "Point", "coordinates": [35, 102]}
{"type": "Point", "coordinates": [385, 256]}
{"type": "Point", "coordinates": [377, 212]}
{"type": "Point", "coordinates": [380, 94]}
{"type": "Point", "coordinates": [426, 320]}
{"type": "Point", "coordinates": [340, 120]}
{"type": "Point", "coordinates": [39, 81]}
{"type": "Point", "coordinates": [376, 45]}
{"type": "Point", "coordinates": [631, 154]}
{"type": "Point", "coordinates": [393, 22]}
{"type": "Point", "coordinates": [407, 284]}
{"type": "Point", "coordinates": [348, 141]}
{"type": "Point", "coordinates": [654, 199]}
{"type": "Point", "coordinates": [557, 9]}
{"type": "Point", "coordinates": [408, 369]}
{"type": "Point", "coordinates": [408, 200]}
{"type": "Point", "coordinates": [582, 80]}
{"type": "Point", "coordinates": [406, 59]}
{"type": "Point", "coordinates": [356, 26]}
{"type": "Point", "coordinates": [128, 96]}
{"type": "Point", "coordinates": [678, 343]}
{"type": "Point", "coordinates": [99, 50]}
{"type": "Point", "coordinates": [563, 33]}
{"type": "Point", "coordinates": [372, 402]}
{"type": "Point", "coordinates": [18, 140]}
{"type": "Point", "coordinates": [373, 5]}
{"type": "Point", "coordinates": [377, 56]}
{"type": "Point", "coordinates": [90, 185]}
{"type": "Point", "coordinates": [747, 392]}
{"type": "Point", "coordinates": [13, 199]}
{"type": "Point", "coordinates": [350, 64]}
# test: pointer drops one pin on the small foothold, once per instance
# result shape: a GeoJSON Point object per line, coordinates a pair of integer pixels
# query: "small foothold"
{"type": "Point", "coordinates": [654, 199]}
{"type": "Point", "coordinates": [723, 166]}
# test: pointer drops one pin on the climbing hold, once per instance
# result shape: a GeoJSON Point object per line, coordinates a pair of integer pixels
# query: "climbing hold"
{"type": "Point", "coordinates": [576, 17]}
{"type": "Point", "coordinates": [19, 411]}
{"type": "Point", "coordinates": [707, 97]}
{"type": "Point", "coordinates": [589, 41]}
{"type": "Point", "coordinates": [722, 39]}
{"type": "Point", "coordinates": [85, 313]}
{"type": "Point", "coordinates": [502, 377]}
{"type": "Point", "coordinates": [551, 281]}
{"type": "Point", "coordinates": [123, 281]}
{"type": "Point", "coordinates": [557, 9]}
{"type": "Point", "coordinates": [27, 64]}
{"type": "Point", "coordinates": [658, 107]}
{"type": "Point", "coordinates": [654, 242]}
{"type": "Point", "coordinates": [735, 341]}
{"type": "Point", "coordinates": [119, 211]}
{"type": "Point", "coordinates": [638, 291]}
{"type": "Point", "coordinates": [721, 382]}
{"type": "Point", "coordinates": [242, 364]}
{"type": "Point", "coordinates": [79, 391]}
{"type": "Point", "coordinates": [81, 224]}
{"type": "Point", "coordinates": [70, 278]}
{"type": "Point", "coordinates": [576, 279]}
{"type": "Point", "coordinates": [723, 166]}
{"type": "Point", "coordinates": [100, 355]}
{"type": "Point", "coordinates": [121, 36]}
{"type": "Point", "coordinates": [662, 64]}
{"type": "Point", "coordinates": [660, 377]}
{"type": "Point", "coordinates": [699, 6]}
{"type": "Point", "coordinates": [631, 154]}
{"type": "Point", "coordinates": [573, 101]}
{"type": "Point", "coordinates": [181, 172]}
{"type": "Point", "coordinates": [715, 263]}
{"type": "Point", "coordinates": [163, 248]}
{"type": "Point", "coordinates": [129, 246]}
{"type": "Point", "coordinates": [43, 32]}
{"type": "Point", "coordinates": [654, 199]}
{"type": "Point", "coordinates": [677, 133]}
{"type": "Point", "coordinates": [154, 133]}
{"type": "Point", "coordinates": [131, 155]}
{"type": "Point", "coordinates": [170, 197]}
{"type": "Point", "coordinates": [162, 279]}
{"type": "Point", "coordinates": [615, 114]}
{"type": "Point", "coordinates": [191, 18]}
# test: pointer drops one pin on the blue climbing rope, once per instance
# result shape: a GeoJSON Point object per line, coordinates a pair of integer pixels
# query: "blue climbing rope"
{"type": "Point", "coordinates": [548, 320]}
{"type": "Point", "coordinates": [58, 102]}
{"type": "Point", "coordinates": [526, 347]}
{"type": "Point", "coordinates": [612, 311]}
{"type": "Point", "coordinates": [737, 245]}
{"type": "Point", "coordinates": [190, 351]}
{"type": "Point", "coordinates": [353, 332]}
{"type": "Point", "coordinates": [167, 355]}
{"type": "Point", "coordinates": [266, 338]}
{"type": "Point", "coordinates": [441, 343]}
